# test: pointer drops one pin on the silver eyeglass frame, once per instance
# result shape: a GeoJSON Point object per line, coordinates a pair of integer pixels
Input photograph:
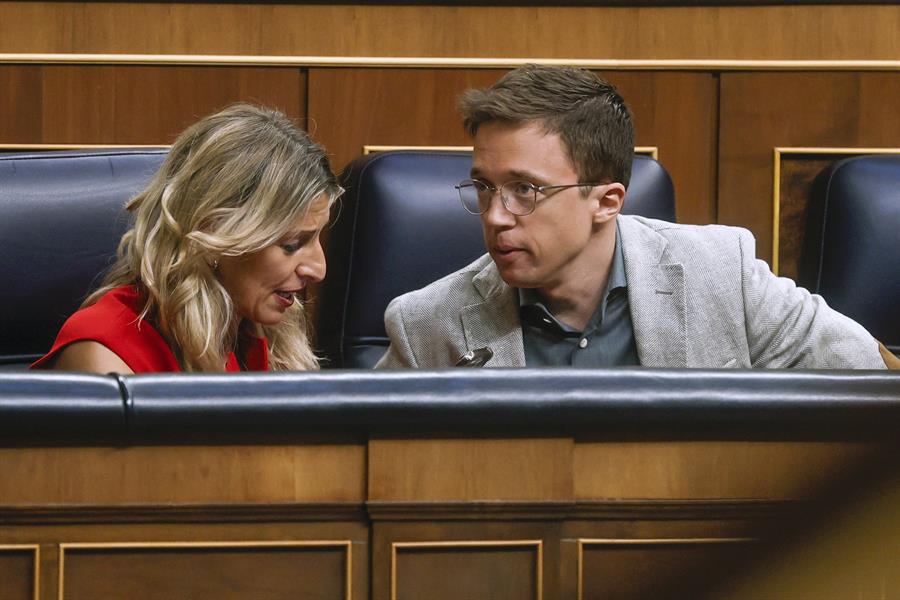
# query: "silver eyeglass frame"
{"type": "Point", "coordinates": [495, 189]}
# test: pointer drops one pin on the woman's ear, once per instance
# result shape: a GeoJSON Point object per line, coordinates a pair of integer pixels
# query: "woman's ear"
{"type": "Point", "coordinates": [609, 198]}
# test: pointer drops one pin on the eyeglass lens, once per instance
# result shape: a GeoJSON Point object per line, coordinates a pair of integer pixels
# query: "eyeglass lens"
{"type": "Point", "coordinates": [518, 196]}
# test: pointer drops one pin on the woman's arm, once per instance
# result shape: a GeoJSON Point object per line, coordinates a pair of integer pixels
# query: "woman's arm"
{"type": "Point", "coordinates": [91, 357]}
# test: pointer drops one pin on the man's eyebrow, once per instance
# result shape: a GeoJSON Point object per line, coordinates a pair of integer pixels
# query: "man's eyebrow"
{"type": "Point", "coordinates": [527, 176]}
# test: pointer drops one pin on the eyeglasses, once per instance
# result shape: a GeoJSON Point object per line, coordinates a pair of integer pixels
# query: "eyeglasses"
{"type": "Point", "coordinates": [519, 197]}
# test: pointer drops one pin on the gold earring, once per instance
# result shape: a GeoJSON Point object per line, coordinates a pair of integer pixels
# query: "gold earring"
{"type": "Point", "coordinates": [215, 265]}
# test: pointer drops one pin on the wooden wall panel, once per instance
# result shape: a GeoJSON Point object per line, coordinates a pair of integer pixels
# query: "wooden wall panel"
{"type": "Point", "coordinates": [475, 571]}
{"type": "Point", "coordinates": [463, 469]}
{"type": "Point", "coordinates": [352, 108]}
{"type": "Point", "coordinates": [477, 559]}
{"type": "Point", "coordinates": [677, 113]}
{"type": "Point", "coordinates": [701, 32]}
{"type": "Point", "coordinates": [182, 475]}
{"type": "Point", "coordinates": [714, 470]}
{"type": "Point", "coordinates": [762, 111]}
{"type": "Point", "coordinates": [134, 104]}
{"type": "Point", "coordinates": [20, 104]}
{"type": "Point", "coordinates": [17, 573]}
{"type": "Point", "coordinates": [223, 573]}
{"type": "Point", "coordinates": [356, 107]}
{"type": "Point", "coordinates": [641, 569]}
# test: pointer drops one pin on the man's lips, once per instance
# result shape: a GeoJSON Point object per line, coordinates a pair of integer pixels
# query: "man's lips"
{"type": "Point", "coordinates": [507, 252]}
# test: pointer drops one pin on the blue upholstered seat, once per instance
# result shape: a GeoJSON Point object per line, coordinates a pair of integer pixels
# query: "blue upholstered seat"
{"type": "Point", "coordinates": [851, 253]}
{"type": "Point", "coordinates": [61, 217]}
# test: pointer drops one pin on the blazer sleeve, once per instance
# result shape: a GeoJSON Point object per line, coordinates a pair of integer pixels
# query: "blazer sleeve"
{"type": "Point", "coordinates": [789, 327]}
{"type": "Point", "coordinates": [399, 354]}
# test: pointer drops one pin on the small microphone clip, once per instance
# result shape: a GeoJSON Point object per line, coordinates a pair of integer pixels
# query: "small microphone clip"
{"type": "Point", "coordinates": [475, 358]}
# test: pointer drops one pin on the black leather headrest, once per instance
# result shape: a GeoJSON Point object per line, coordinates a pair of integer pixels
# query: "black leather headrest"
{"type": "Point", "coordinates": [401, 226]}
{"type": "Point", "coordinates": [61, 217]}
{"type": "Point", "coordinates": [852, 248]}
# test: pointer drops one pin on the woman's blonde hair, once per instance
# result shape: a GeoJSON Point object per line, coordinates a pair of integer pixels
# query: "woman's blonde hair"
{"type": "Point", "coordinates": [233, 183]}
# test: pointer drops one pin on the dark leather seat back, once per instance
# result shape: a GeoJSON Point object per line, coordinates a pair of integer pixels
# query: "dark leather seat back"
{"type": "Point", "coordinates": [851, 253]}
{"type": "Point", "coordinates": [61, 217]}
{"type": "Point", "coordinates": [401, 226]}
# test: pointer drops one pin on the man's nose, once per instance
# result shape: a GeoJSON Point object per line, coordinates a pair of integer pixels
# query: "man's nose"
{"type": "Point", "coordinates": [497, 213]}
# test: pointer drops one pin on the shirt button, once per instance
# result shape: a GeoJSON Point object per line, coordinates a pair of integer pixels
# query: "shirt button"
{"type": "Point", "coordinates": [582, 343]}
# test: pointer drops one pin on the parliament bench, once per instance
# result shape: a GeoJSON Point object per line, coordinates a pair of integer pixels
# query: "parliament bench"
{"type": "Point", "coordinates": [555, 483]}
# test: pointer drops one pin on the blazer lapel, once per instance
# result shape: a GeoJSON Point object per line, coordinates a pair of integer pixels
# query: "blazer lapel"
{"type": "Point", "coordinates": [494, 322]}
{"type": "Point", "coordinates": [656, 296]}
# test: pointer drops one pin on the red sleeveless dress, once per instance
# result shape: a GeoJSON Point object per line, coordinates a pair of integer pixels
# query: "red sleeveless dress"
{"type": "Point", "coordinates": [113, 322]}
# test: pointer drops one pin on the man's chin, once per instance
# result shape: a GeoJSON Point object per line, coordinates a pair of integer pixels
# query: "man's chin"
{"type": "Point", "coordinates": [514, 277]}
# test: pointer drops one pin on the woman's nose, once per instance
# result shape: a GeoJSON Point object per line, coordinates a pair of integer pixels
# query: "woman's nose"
{"type": "Point", "coordinates": [313, 264]}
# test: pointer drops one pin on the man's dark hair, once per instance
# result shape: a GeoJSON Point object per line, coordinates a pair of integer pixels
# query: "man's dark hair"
{"type": "Point", "coordinates": [586, 112]}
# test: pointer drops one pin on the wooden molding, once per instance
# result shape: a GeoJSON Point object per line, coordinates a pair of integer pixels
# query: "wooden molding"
{"type": "Point", "coordinates": [184, 513]}
{"type": "Point", "coordinates": [607, 510]}
{"type": "Point", "coordinates": [447, 62]}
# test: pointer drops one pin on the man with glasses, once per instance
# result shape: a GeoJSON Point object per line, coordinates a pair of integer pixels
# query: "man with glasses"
{"type": "Point", "coordinates": [569, 281]}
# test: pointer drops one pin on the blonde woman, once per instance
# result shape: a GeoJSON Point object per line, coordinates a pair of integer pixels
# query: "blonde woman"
{"type": "Point", "coordinates": [224, 239]}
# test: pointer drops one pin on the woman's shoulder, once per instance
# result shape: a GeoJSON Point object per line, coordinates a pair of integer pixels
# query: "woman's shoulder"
{"type": "Point", "coordinates": [114, 324]}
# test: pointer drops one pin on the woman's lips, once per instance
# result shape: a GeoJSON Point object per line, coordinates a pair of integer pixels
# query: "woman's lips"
{"type": "Point", "coordinates": [286, 298]}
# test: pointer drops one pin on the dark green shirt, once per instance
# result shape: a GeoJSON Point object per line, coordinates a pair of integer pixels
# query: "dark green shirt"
{"type": "Point", "coordinates": [607, 340]}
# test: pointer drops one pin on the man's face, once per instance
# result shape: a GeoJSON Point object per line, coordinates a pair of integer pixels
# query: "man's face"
{"type": "Point", "coordinates": [545, 249]}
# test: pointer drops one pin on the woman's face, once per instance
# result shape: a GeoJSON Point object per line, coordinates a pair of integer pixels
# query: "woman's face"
{"type": "Point", "coordinates": [262, 285]}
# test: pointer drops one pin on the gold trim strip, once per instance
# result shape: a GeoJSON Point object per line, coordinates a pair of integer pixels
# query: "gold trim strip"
{"type": "Point", "coordinates": [36, 550]}
{"type": "Point", "coordinates": [652, 151]}
{"type": "Point", "coordinates": [372, 148]}
{"type": "Point", "coordinates": [538, 544]}
{"type": "Point", "coordinates": [582, 542]}
{"type": "Point", "coordinates": [346, 544]}
{"type": "Point", "coordinates": [447, 62]}
{"type": "Point", "coordinates": [43, 147]}
{"type": "Point", "coordinates": [780, 151]}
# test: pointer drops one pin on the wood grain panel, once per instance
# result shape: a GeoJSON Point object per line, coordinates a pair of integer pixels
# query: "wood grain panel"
{"type": "Point", "coordinates": [762, 111]}
{"type": "Point", "coordinates": [20, 104]}
{"type": "Point", "coordinates": [649, 569]}
{"type": "Point", "coordinates": [669, 470]}
{"type": "Point", "coordinates": [17, 573]}
{"type": "Point", "coordinates": [795, 188]}
{"type": "Point", "coordinates": [675, 112]}
{"type": "Point", "coordinates": [153, 104]}
{"type": "Point", "coordinates": [389, 107]}
{"type": "Point", "coordinates": [750, 32]}
{"type": "Point", "coordinates": [470, 469]}
{"type": "Point", "coordinates": [182, 474]}
{"type": "Point", "coordinates": [186, 573]}
{"type": "Point", "coordinates": [475, 570]}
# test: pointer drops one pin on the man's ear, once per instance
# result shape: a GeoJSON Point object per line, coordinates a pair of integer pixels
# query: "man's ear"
{"type": "Point", "coordinates": [609, 198]}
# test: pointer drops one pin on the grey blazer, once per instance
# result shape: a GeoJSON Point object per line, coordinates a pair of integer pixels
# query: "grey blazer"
{"type": "Point", "coordinates": [699, 298]}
